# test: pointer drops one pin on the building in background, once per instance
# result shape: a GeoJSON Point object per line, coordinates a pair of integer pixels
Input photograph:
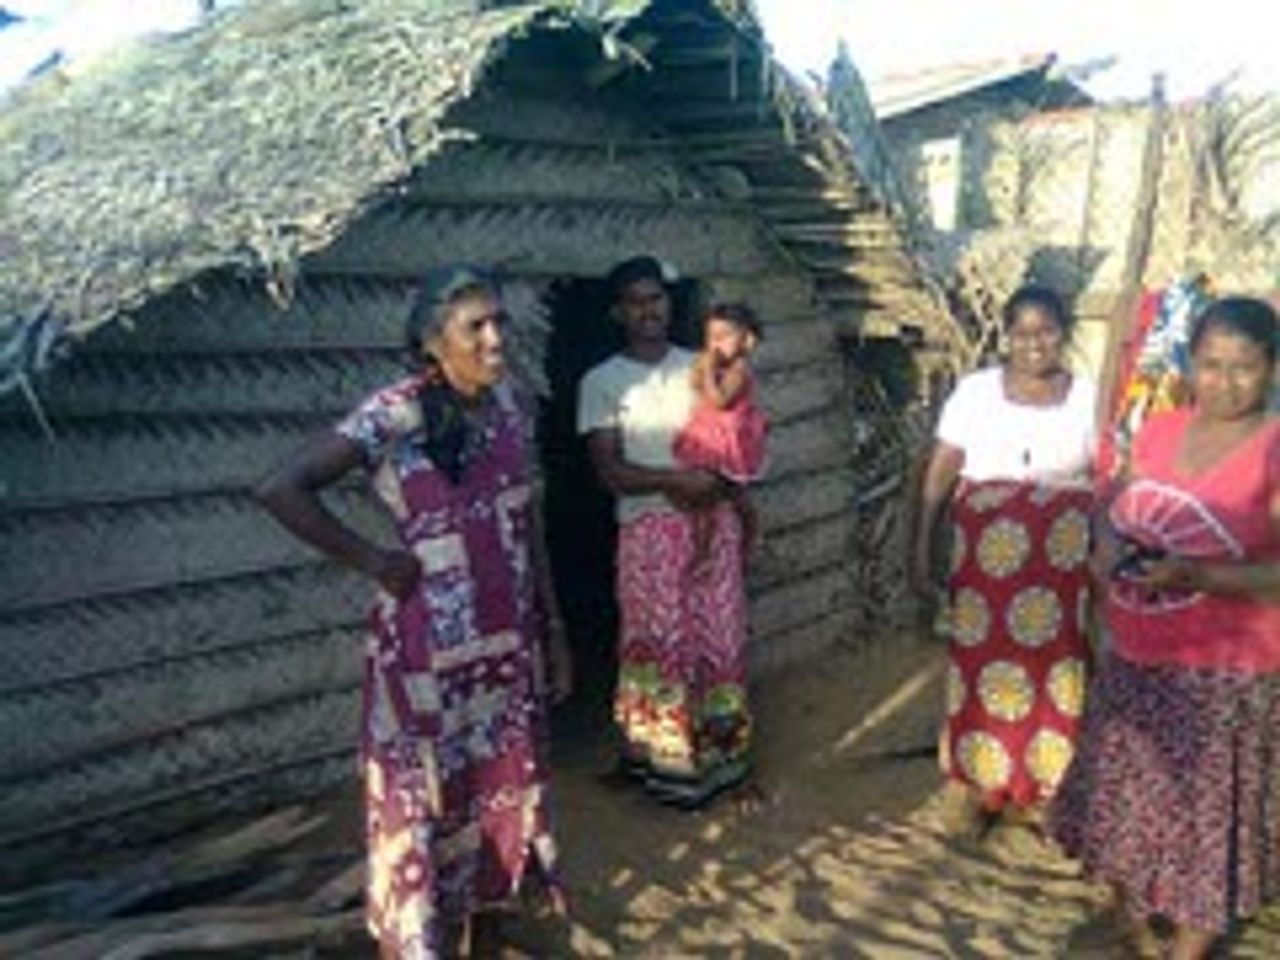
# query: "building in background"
{"type": "Point", "coordinates": [935, 119]}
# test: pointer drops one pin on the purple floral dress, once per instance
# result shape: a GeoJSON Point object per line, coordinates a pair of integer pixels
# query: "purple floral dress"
{"type": "Point", "coordinates": [454, 778]}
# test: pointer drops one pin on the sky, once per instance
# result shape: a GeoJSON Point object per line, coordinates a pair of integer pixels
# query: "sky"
{"type": "Point", "coordinates": [1194, 42]}
{"type": "Point", "coordinates": [79, 29]}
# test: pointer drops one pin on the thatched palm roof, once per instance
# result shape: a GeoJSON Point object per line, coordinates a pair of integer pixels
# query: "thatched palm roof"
{"type": "Point", "coordinates": [246, 143]}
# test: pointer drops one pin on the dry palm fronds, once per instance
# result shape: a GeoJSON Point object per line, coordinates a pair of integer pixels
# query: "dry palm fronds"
{"type": "Point", "coordinates": [247, 143]}
{"type": "Point", "coordinates": [1235, 147]}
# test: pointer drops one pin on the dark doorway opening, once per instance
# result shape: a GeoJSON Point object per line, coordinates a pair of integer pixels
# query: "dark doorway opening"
{"type": "Point", "coordinates": [893, 362]}
{"type": "Point", "coordinates": [581, 529]}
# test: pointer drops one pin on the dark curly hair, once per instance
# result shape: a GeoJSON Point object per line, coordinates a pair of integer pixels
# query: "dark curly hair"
{"type": "Point", "coordinates": [1247, 317]}
{"type": "Point", "coordinates": [1038, 297]}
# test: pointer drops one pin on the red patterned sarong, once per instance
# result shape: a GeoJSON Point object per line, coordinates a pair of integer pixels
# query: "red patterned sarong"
{"type": "Point", "coordinates": [681, 702]}
{"type": "Point", "coordinates": [1019, 657]}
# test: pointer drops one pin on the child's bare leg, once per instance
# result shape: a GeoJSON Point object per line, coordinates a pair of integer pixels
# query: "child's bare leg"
{"type": "Point", "coordinates": [703, 528]}
{"type": "Point", "coordinates": [749, 518]}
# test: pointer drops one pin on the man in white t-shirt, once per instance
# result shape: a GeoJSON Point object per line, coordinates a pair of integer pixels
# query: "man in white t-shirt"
{"type": "Point", "coordinates": [631, 406]}
{"type": "Point", "coordinates": [680, 702]}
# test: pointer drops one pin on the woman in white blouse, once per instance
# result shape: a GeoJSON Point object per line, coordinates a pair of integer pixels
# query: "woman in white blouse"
{"type": "Point", "coordinates": [1011, 465]}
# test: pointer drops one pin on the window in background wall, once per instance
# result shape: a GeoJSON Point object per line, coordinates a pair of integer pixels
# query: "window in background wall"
{"type": "Point", "coordinates": [940, 169]}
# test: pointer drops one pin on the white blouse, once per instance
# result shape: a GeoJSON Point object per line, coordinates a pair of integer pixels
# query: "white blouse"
{"type": "Point", "coordinates": [1004, 440]}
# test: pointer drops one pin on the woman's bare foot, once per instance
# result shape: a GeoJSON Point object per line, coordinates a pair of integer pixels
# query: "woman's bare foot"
{"type": "Point", "coordinates": [455, 940]}
{"type": "Point", "coordinates": [1114, 934]}
{"type": "Point", "coordinates": [534, 930]}
{"type": "Point", "coordinates": [960, 813]}
{"type": "Point", "coordinates": [1142, 939]}
{"type": "Point", "coordinates": [749, 797]}
{"type": "Point", "coordinates": [1136, 931]}
{"type": "Point", "coordinates": [1191, 944]}
{"type": "Point", "coordinates": [1030, 817]}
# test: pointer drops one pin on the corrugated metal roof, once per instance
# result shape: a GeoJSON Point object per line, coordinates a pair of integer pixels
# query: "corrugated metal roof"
{"type": "Point", "coordinates": [899, 94]}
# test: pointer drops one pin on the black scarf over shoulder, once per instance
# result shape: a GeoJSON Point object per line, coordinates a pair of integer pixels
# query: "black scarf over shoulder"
{"type": "Point", "coordinates": [450, 435]}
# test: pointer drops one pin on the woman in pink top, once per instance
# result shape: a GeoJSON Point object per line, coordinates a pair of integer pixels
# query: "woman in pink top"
{"type": "Point", "coordinates": [1174, 796]}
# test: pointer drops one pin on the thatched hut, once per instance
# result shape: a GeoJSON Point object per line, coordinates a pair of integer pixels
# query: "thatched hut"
{"type": "Point", "coordinates": [209, 241]}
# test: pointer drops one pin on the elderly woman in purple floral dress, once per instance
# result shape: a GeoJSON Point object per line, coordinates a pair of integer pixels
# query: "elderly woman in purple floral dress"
{"type": "Point", "coordinates": [454, 779]}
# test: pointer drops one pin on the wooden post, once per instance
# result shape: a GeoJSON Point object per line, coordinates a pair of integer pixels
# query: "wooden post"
{"type": "Point", "coordinates": [1090, 189]}
{"type": "Point", "coordinates": [1120, 329]}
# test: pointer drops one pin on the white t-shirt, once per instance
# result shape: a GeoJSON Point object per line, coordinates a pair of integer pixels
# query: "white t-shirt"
{"type": "Point", "coordinates": [649, 403]}
{"type": "Point", "coordinates": [1003, 440]}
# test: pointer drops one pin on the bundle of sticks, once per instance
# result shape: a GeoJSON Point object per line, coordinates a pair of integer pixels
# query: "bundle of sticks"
{"type": "Point", "coordinates": [255, 890]}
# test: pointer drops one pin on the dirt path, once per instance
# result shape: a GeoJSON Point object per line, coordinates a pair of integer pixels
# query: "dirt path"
{"type": "Point", "coordinates": [844, 859]}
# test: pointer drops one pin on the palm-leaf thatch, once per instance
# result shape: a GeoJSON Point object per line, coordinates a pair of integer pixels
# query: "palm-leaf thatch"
{"type": "Point", "coordinates": [246, 143]}
{"type": "Point", "coordinates": [256, 138]}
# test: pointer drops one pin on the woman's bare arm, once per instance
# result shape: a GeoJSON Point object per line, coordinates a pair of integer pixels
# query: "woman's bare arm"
{"type": "Point", "coordinates": [936, 488]}
{"type": "Point", "coordinates": [291, 494]}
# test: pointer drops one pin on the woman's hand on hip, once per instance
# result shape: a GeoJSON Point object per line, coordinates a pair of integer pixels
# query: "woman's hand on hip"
{"type": "Point", "coordinates": [397, 572]}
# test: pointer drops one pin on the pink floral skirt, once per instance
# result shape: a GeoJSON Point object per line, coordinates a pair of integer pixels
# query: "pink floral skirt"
{"type": "Point", "coordinates": [681, 701]}
{"type": "Point", "coordinates": [1175, 792]}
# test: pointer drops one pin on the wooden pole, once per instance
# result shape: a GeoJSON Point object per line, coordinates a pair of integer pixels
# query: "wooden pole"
{"type": "Point", "coordinates": [1121, 328]}
{"type": "Point", "coordinates": [1090, 190]}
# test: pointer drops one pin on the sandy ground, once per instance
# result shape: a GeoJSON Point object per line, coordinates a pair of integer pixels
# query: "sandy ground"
{"type": "Point", "coordinates": [843, 858]}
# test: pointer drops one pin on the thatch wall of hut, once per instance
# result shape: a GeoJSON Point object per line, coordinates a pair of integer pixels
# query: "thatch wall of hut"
{"type": "Point", "coordinates": [166, 650]}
